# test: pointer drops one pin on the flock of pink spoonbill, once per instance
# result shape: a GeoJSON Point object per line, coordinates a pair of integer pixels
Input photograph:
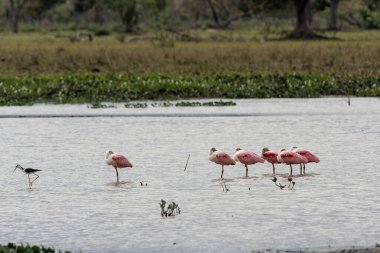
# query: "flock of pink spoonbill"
{"type": "Point", "coordinates": [294, 156]}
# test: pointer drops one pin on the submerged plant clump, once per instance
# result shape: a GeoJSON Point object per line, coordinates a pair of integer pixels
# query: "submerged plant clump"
{"type": "Point", "coordinates": [13, 248]}
{"type": "Point", "coordinates": [279, 185]}
{"type": "Point", "coordinates": [211, 103]}
{"type": "Point", "coordinates": [136, 105]}
{"type": "Point", "coordinates": [101, 105]}
{"type": "Point", "coordinates": [171, 210]}
{"type": "Point", "coordinates": [178, 104]}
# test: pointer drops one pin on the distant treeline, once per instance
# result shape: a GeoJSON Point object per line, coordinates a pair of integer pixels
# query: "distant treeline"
{"type": "Point", "coordinates": [137, 15]}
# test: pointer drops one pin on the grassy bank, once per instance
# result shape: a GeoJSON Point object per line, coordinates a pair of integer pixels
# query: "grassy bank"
{"type": "Point", "coordinates": [13, 248]}
{"type": "Point", "coordinates": [91, 88]}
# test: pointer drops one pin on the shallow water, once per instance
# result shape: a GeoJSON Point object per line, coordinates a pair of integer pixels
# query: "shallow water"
{"type": "Point", "coordinates": [75, 205]}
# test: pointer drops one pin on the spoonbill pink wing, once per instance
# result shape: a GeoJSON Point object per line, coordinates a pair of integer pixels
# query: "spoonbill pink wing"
{"type": "Point", "coordinates": [311, 158]}
{"type": "Point", "coordinates": [271, 156]}
{"type": "Point", "coordinates": [248, 157]}
{"type": "Point", "coordinates": [121, 161]}
{"type": "Point", "coordinates": [290, 157]}
{"type": "Point", "coordinates": [224, 158]}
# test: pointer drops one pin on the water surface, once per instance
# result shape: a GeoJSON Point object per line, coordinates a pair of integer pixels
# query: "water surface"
{"type": "Point", "coordinates": [75, 205]}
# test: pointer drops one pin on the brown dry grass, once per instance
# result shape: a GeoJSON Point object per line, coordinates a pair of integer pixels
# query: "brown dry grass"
{"type": "Point", "coordinates": [26, 57]}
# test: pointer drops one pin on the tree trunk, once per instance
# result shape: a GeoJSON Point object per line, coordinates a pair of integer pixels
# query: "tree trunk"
{"type": "Point", "coordinates": [14, 21]}
{"type": "Point", "coordinates": [310, 15]}
{"type": "Point", "coordinates": [214, 13]}
{"type": "Point", "coordinates": [15, 10]}
{"type": "Point", "coordinates": [333, 24]}
{"type": "Point", "coordinates": [197, 19]}
{"type": "Point", "coordinates": [302, 8]}
{"type": "Point", "coordinates": [302, 30]}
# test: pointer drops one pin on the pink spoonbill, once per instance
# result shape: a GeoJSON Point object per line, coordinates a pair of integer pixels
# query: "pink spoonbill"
{"type": "Point", "coordinates": [220, 157]}
{"type": "Point", "coordinates": [311, 158]}
{"type": "Point", "coordinates": [247, 157]}
{"type": "Point", "coordinates": [271, 157]}
{"type": "Point", "coordinates": [117, 161]}
{"type": "Point", "coordinates": [290, 157]}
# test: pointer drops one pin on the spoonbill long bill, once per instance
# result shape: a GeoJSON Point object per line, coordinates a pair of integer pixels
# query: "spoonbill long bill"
{"type": "Point", "coordinates": [271, 157]}
{"type": "Point", "coordinates": [290, 157]}
{"type": "Point", "coordinates": [117, 161]}
{"type": "Point", "coordinates": [220, 157]}
{"type": "Point", "coordinates": [311, 158]}
{"type": "Point", "coordinates": [247, 157]}
{"type": "Point", "coordinates": [28, 171]}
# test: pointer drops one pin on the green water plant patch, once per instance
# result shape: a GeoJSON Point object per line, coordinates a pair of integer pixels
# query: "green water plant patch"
{"type": "Point", "coordinates": [14, 248]}
{"type": "Point", "coordinates": [97, 88]}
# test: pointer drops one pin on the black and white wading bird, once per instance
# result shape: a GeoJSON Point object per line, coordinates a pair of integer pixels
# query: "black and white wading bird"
{"type": "Point", "coordinates": [28, 171]}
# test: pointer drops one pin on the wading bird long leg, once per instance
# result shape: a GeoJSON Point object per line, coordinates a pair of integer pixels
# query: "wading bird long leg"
{"type": "Point", "coordinates": [274, 170]}
{"type": "Point", "coordinates": [30, 184]}
{"type": "Point", "coordinates": [117, 175]}
{"type": "Point", "coordinates": [221, 176]}
{"type": "Point", "coordinates": [304, 168]}
{"type": "Point", "coordinates": [35, 178]}
{"type": "Point", "coordinates": [291, 170]}
{"type": "Point", "coordinates": [300, 168]}
{"type": "Point", "coordinates": [246, 170]}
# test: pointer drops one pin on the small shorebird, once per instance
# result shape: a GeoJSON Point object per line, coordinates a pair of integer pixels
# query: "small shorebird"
{"type": "Point", "coordinates": [220, 157]}
{"type": "Point", "coordinates": [311, 158]}
{"type": "Point", "coordinates": [247, 157]}
{"type": "Point", "coordinates": [117, 161]}
{"type": "Point", "coordinates": [271, 157]}
{"type": "Point", "coordinates": [28, 171]}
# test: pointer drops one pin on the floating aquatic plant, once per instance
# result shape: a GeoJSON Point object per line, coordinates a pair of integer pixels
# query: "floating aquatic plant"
{"type": "Point", "coordinates": [291, 183]}
{"type": "Point", "coordinates": [188, 104]}
{"type": "Point", "coordinates": [162, 104]}
{"type": "Point", "coordinates": [171, 210]}
{"type": "Point", "coordinates": [177, 104]}
{"type": "Point", "coordinates": [279, 185]}
{"type": "Point", "coordinates": [101, 105]}
{"type": "Point", "coordinates": [136, 105]}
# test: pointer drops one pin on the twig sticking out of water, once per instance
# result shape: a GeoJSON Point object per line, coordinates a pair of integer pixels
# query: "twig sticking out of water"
{"type": "Point", "coordinates": [348, 96]}
{"type": "Point", "coordinates": [187, 162]}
